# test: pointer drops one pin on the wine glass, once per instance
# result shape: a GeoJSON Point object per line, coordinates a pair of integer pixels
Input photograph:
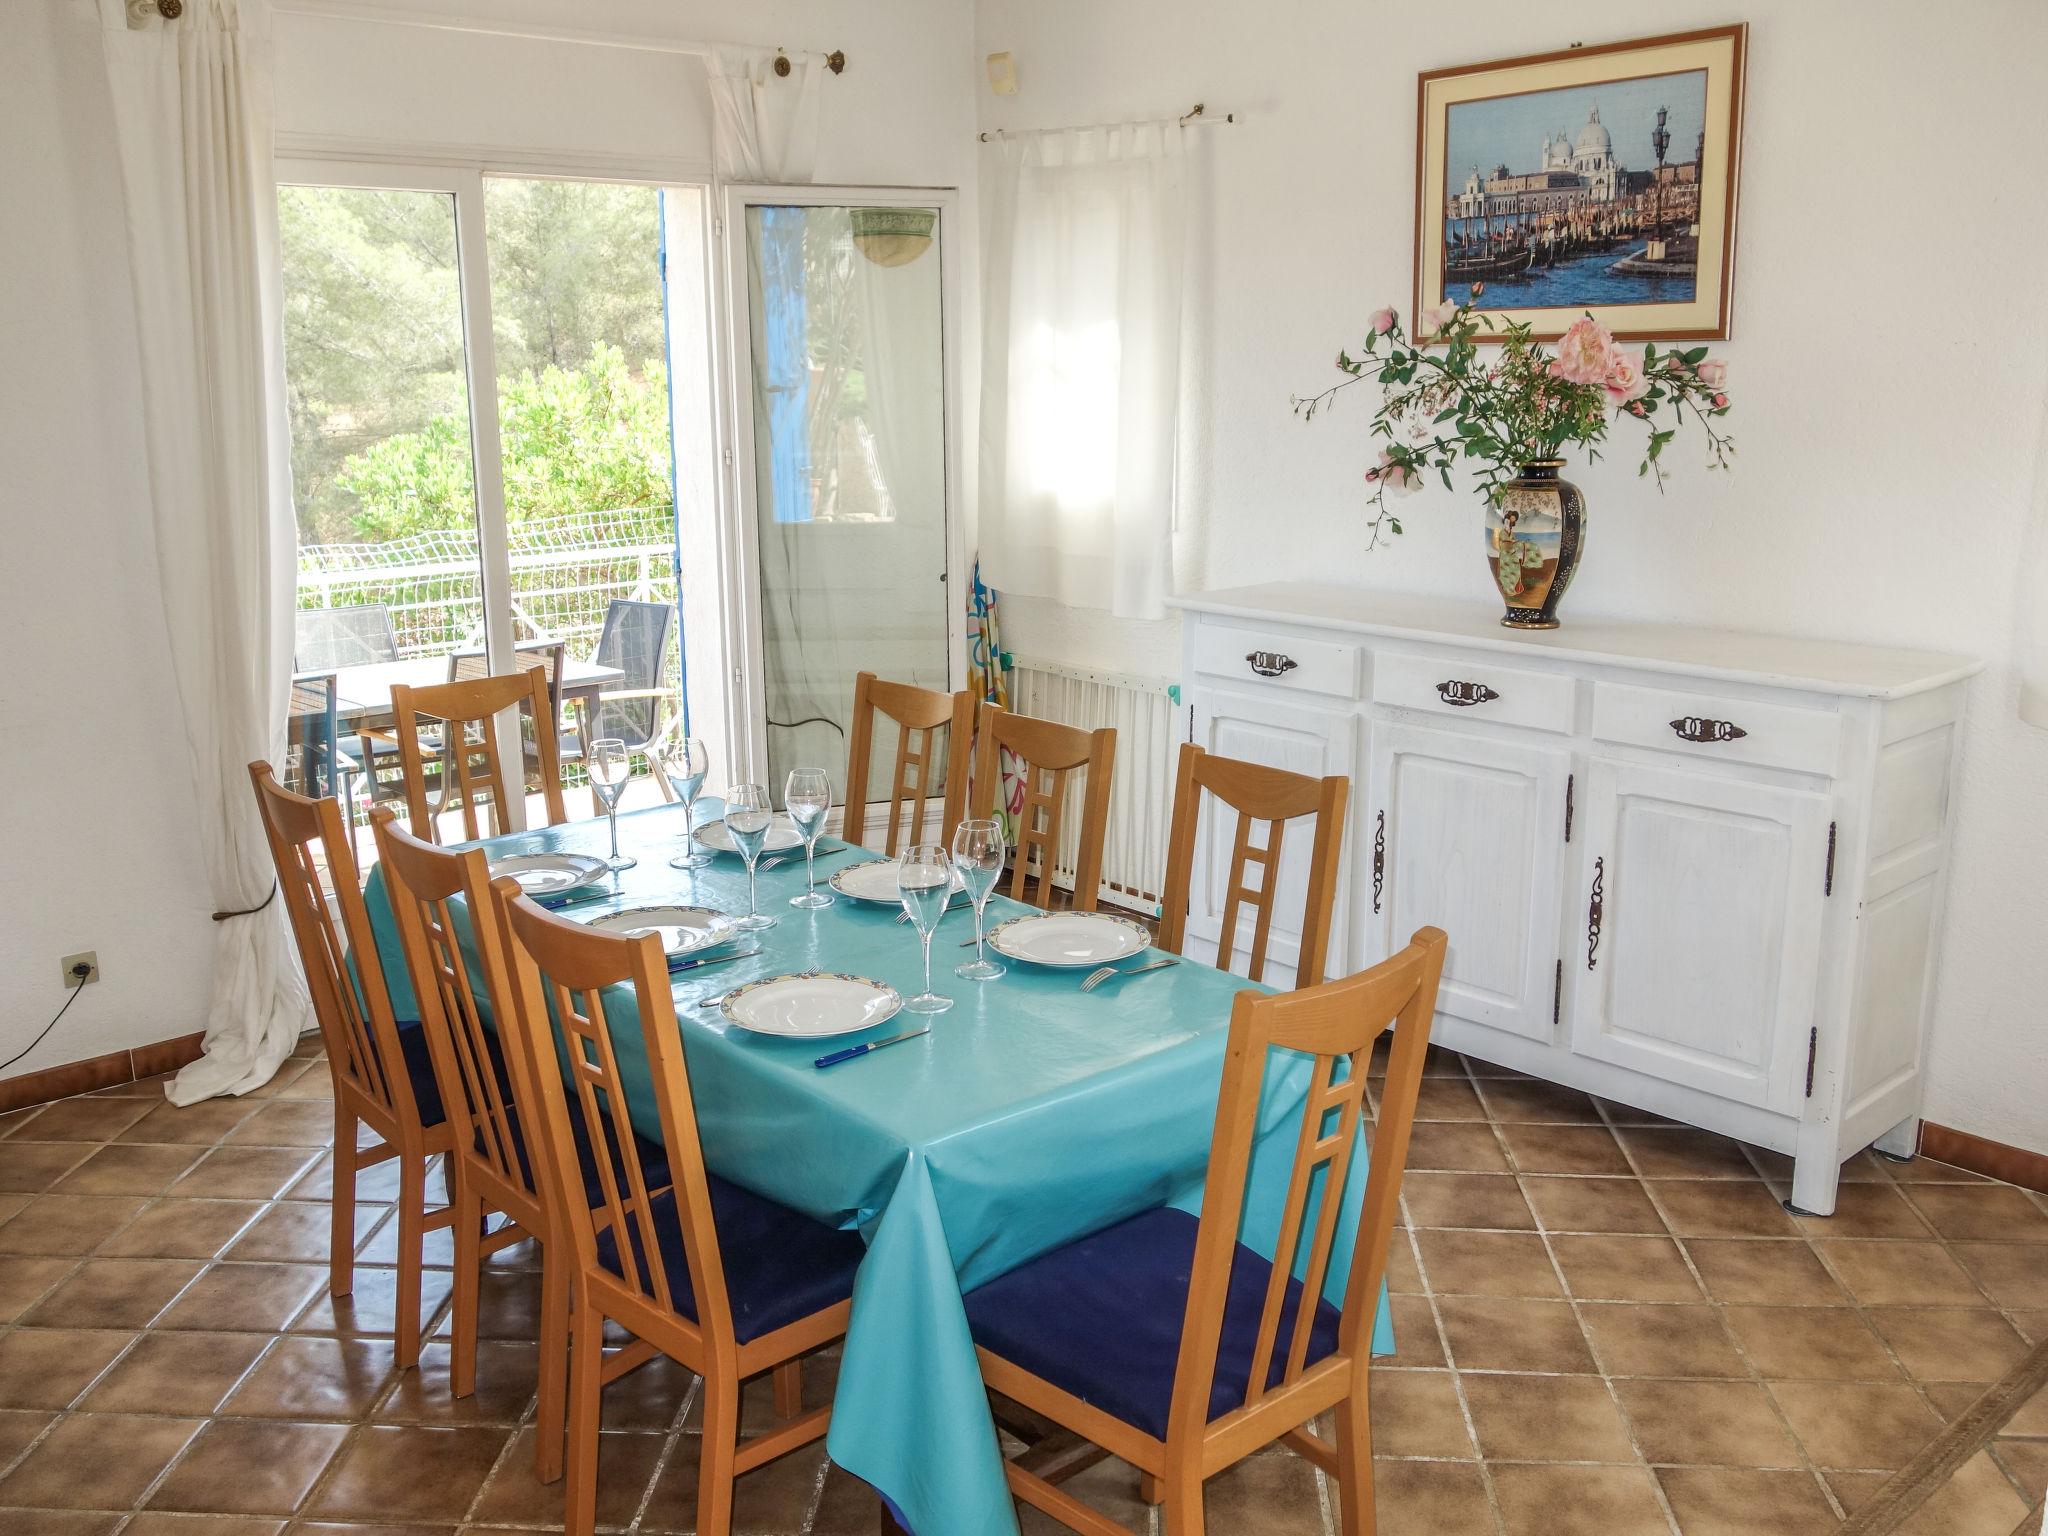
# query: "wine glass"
{"type": "Point", "coordinates": [684, 762]}
{"type": "Point", "coordinates": [610, 768]}
{"type": "Point", "coordinates": [747, 815]}
{"type": "Point", "coordinates": [978, 856]}
{"type": "Point", "coordinates": [924, 879]}
{"type": "Point", "coordinates": [807, 796]}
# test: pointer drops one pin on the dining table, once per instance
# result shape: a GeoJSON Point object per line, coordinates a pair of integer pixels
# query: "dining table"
{"type": "Point", "coordinates": [1031, 1115]}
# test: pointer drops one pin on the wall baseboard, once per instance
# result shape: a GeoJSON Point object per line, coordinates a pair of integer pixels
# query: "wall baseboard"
{"type": "Point", "coordinates": [1978, 1154]}
{"type": "Point", "coordinates": [96, 1072]}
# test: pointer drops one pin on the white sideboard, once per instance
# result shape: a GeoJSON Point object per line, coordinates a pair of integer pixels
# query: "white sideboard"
{"type": "Point", "coordinates": [1693, 871]}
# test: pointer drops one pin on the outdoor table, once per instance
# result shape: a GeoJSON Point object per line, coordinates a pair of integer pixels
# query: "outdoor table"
{"type": "Point", "coordinates": [1032, 1115]}
{"type": "Point", "coordinates": [362, 693]}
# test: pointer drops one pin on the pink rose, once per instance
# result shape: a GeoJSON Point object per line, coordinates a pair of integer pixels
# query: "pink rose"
{"type": "Point", "coordinates": [1382, 321]}
{"type": "Point", "coordinates": [1720, 402]}
{"type": "Point", "coordinates": [1584, 352]}
{"type": "Point", "coordinates": [1398, 478]}
{"type": "Point", "coordinates": [1438, 318]}
{"type": "Point", "coordinates": [1625, 380]}
{"type": "Point", "coordinates": [1713, 372]}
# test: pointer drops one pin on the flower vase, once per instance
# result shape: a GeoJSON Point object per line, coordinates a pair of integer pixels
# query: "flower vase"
{"type": "Point", "coordinates": [1535, 526]}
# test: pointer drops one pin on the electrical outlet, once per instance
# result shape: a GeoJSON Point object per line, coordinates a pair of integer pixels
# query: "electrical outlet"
{"type": "Point", "coordinates": [89, 960]}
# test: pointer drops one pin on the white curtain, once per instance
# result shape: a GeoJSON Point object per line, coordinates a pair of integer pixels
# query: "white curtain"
{"type": "Point", "coordinates": [2033, 613]}
{"type": "Point", "coordinates": [764, 126]}
{"type": "Point", "coordinates": [1081, 339]}
{"type": "Point", "coordinates": [192, 111]}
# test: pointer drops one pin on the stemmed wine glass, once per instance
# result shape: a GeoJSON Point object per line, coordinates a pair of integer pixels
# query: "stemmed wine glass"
{"type": "Point", "coordinates": [609, 769]}
{"type": "Point", "coordinates": [684, 762]}
{"type": "Point", "coordinates": [978, 856]}
{"type": "Point", "coordinates": [924, 879]}
{"type": "Point", "coordinates": [747, 815]}
{"type": "Point", "coordinates": [807, 796]}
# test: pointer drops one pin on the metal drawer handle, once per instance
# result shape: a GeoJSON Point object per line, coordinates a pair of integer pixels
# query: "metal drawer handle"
{"type": "Point", "coordinates": [1271, 663]}
{"type": "Point", "coordinates": [1379, 859]}
{"type": "Point", "coordinates": [1695, 728]}
{"type": "Point", "coordinates": [1595, 906]}
{"type": "Point", "coordinates": [1464, 695]}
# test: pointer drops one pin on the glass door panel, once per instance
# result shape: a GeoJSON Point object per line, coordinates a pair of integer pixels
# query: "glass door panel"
{"type": "Point", "coordinates": [847, 370]}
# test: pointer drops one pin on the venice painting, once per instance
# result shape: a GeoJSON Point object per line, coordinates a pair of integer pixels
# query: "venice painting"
{"type": "Point", "coordinates": [1596, 180]}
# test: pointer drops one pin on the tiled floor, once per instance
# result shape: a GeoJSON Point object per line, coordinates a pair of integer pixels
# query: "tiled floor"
{"type": "Point", "coordinates": [1606, 1324]}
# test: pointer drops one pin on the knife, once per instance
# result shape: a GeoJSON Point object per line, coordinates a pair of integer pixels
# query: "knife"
{"type": "Point", "coordinates": [833, 1058]}
{"type": "Point", "coordinates": [677, 967]}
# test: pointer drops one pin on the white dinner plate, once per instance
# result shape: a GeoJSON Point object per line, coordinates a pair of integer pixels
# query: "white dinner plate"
{"type": "Point", "coordinates": [874, 880]}
{"type": "Point", "coordinates": [715, 836]}
{"type": "Point", "coordinates": [683, 930]}
{"type": "Point", "coordinates": [549, 874]}
{"type": "Point", "coordinates": [1071, 939]}
{"type": "Point", "coordinates": [811, 1005]}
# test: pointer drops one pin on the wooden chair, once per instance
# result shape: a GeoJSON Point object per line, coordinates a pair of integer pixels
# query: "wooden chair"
{"type": "Point", "coordinates": [917, 713]}
{"type": "Point", "coordinates": [705, 1272]}
{"type": "Point", "coordinates": [1048, 753]}
{"type": "Point", "coordinates": [1169, 1344]}
{"type": "Point", "coordinates": [469, 757]}
{"type": "Point", "coordinates": [489, 1093]}
{"type": "Point", "coordinates": [1256, 793]}
{"type": "Point", "coordinates": [383, 1074]}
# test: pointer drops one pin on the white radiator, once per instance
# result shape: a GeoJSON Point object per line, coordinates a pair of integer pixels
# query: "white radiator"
{"type": "Point", "coordinates": [1149, 724]}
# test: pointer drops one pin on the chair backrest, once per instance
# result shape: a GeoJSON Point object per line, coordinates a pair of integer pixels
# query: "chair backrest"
{"type": "Point", "coordinates": [353, 1010]}
{"type": "Point", "coordinates": [1338, 1021]}
{"type": "Point", "coordinates": [1257, 793]}
{"type": "Point", "coordinates": [470, 761]}
{"type": "Point", "coordinates": [635, 640]}
{"type": "Point", "coordinates": [1047, 754]}
{"type": "Point", "coordinates": [482, 1102]}
{"type": "Point", "coordinates": [559, 971]}
{"type": "Point", "coordinates": [313, 723]}
{"type": "Point", "coordinates": [342, 637]}
{"type": "Point", "coordinates": [917, 712]}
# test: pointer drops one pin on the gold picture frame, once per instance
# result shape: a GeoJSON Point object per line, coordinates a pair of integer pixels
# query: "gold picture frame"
{"type": "Point", "coordinates": [1522, 186]}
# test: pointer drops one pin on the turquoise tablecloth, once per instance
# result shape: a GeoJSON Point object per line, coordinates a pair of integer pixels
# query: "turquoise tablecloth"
{"type": "Point", "coordinates": [1030, 1116]}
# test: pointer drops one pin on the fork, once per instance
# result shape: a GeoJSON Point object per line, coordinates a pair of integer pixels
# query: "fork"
{"type": "Point", "coordinates": [1098, 977]}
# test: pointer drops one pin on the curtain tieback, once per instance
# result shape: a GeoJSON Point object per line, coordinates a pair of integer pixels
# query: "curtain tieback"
{"type": "Point", "coordinates": [221, 917]}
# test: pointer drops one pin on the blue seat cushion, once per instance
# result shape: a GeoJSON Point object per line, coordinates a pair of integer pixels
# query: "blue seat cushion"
{"type": "Point", "coordinates": [419, 1067]}
{"type": "Point", "coordinates": [779, 1265]}
{"type": "Point", "coordinates": [1101, 1319]}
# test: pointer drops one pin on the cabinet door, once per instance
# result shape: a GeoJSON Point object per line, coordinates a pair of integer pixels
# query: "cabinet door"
{"type": "Point", "coordinates": [1279, 733]}
{"type": "Point", "coordinates": [1472, 842]}
{"type": "Point", "coordinates": [1702, 899]}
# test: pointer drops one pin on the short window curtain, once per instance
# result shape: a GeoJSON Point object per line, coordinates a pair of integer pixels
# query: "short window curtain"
{"type": "Point", "coordinates": [1081, 365]}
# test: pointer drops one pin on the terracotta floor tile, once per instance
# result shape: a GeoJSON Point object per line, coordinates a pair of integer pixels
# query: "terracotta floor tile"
{"type": "Point", "coordinates": [121, 1169]}
{"type": "Point", "coordinates": [49, 1367]}
{"type": "Point", "coordinates": [775, 1498]}
{"type": "Point", "coordinates": [1950, 1345]}
{"type": "Point", "coordinates": [1707, 1423]}
{"type": "Point", "coordinates": [1416, 1413]}
{"type": "Point", "coordinates": [1453, 1146]}
{"type": "Point", "coordinates": [236, 1296]}
{"type": "Point", "coordinates": [1857, 1424]}
{"type": "Point", "coordinates": [2012, 1274]}
{"type": "Point", "coordinates": [382, 1248]}
{"type": "Point", "coordinates": [96, 1461]}
{"type": "Point", "coordinates": [190, 1124]}
{"type": "Point", "coordinates": [30, 1167]}
{"type": "Point", "coordinates": [505, 1380]}
{"type": "Point", "coordinates": [1415, 1335]}
{"type": "Point", "coordinates": [1488, 1200]}
{"type": "Point", "coordinates": [1486, 1264]}
{"type": "Point", "coordinates": [306, 1377]}
{"type": "Point", "coordinates": [513, 1495]}
{"type": "Point", "coordinates": [1426, 1497]}
{"type": "Point", "coordinates": [1109, 1486]}
{"type": "Point", "coordinates": [1925, 1170]}
{"type": "Point", "coordinates": [1624, 1269]}
{"type": "Point", "coordinates": [1402, 1274]}
{"type": "Point", "coordinates": [1864, 1210]}
{"type": "Point", "coordinates": [1566, 1149]}
{"type": "Point", "coordinates": [245, 1173]}
{"type": "Point", "coordinates": [285, 1122]}
{"type": "Point", "coordinates": [1631, 1339]}
{"type": "Point", "coordinates": [2032, 1418]}
{"type": "Point", "coordinates": [1445, 1098]}
{"type": "Point", "coordinates": [1769, 1273]}
{"type": "Point", "coordinates": [67, 1224]}
{"type": "Point", "coordinates": [1721, 1208]}
{"type": "Point", "coordinates": [2026, 1460]}
{"type": "Point", "coordinates": [1682, 1152]}
{"type": "Point", "coordinates": [1976, 1501]}
{"type": "Point", "coordinates": [1547, 1418]}
{"type": "Point", "coordinates": [1266, 1495]}
{"type": "Point", "coordinates": [184, 1373]}
{"type": "Point", "coordinates": [1618, 1113]}
{"type": "Point", "coordinates": [409, 1472]}
{"type": "Point", "coordinates": [1592, 1205]}
{"type": "Point", "coordinates": [1743, 1501]}
{"type": "Point", "coordinates": [183, 1229]}
{"type": "Point", "coordinates": [158, 1523]}
{"type": "Point", "coordinates": [23, 1281]}
{"type": "Point", "coordinates": [88, 1119]}
{"type": "Point", "coordinates": [1531, 1101]}
{"type": "Point", "coordinates": [13, 1202]}
{"type": "Point", "coordinates": [655, 1395]}
{"type": "Point", "coordinates": [1980, 1212]}
{"type": "Point", "coordinates": [1900, 1274]}
{"type": "Point", "coordinates": [299, 1230]}
{"type": "Point", "coordinates": [113, 1293]}
{"type": "Point", "coordinates": [1811, 1343]}
{"type": "Point", "coordinates": [18, 1430]}
{"type": "Point", "coordinates": [1495, 1334]}
{"type": "Point", "coordinates": [250, 1467]}
{"type": "Point", "coordinates": [354, 1528]}
{"type": "Point", "coordinates": [1579, 1501]}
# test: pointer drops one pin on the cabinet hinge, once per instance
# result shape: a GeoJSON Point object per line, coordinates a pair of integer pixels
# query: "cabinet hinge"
{"type": "Point", "coordinates": [1828, 886]}
{"type": "Point", "coordinates": [1570, 781]}
{"type": "Point", "coordinates": [1557, 996]}
{"type": "Point", "coordinates": [1812, 1049]}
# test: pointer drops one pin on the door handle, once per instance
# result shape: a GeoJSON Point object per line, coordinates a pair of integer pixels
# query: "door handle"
{"type": "Point", "coordinates": [1271, 663]}
{"type": "Point", "coordinates": [1595, 911]}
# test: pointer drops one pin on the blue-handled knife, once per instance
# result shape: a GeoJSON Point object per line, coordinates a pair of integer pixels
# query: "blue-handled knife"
{"type": "Point", "coordinates": [832, 1059]}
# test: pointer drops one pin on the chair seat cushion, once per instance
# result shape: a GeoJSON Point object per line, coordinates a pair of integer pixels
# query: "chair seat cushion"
{"type": "Point", "coordinates": [779, 1264]}
{"type": "Point", "coordinates": [1101, 1318]}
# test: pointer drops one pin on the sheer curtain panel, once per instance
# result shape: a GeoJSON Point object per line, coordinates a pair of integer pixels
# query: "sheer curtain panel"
{"type": "Point", "coordinates": [192, 115]}
{"type": "Point", "coordinates": [1084, 254]}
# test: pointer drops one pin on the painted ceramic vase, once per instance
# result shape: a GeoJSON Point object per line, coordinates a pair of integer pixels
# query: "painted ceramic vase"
{"type": "Point", "coordinates": [1535, 526]}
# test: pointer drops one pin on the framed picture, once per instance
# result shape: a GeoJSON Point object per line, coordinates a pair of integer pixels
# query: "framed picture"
{"type": "Point", "coordinates": [1593, 179]}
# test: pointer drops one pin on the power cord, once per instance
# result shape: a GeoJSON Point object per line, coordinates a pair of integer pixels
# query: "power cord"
{"type": "Point", "coordinates": [81, 971]}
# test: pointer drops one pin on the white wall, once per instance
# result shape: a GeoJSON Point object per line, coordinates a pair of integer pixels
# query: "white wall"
{"type": "Point", "coordinates": [1887, 371]}
{"type": "Point", "coordinates": [95, 792]}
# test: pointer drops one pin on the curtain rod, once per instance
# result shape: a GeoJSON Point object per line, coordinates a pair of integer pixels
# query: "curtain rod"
{"type": "Point", "coordinates": [1196, 116]}
{"type": "Point", "coordinates": [372, 10]}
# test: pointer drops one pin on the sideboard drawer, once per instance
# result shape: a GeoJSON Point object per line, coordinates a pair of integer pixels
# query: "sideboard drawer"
{"type": "Point", "coordinates": [1476, 690]}
{"type": "Point", "coordinates": [1733, 730]}
{"type": "Point", "coordinates": [1292, 662]}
